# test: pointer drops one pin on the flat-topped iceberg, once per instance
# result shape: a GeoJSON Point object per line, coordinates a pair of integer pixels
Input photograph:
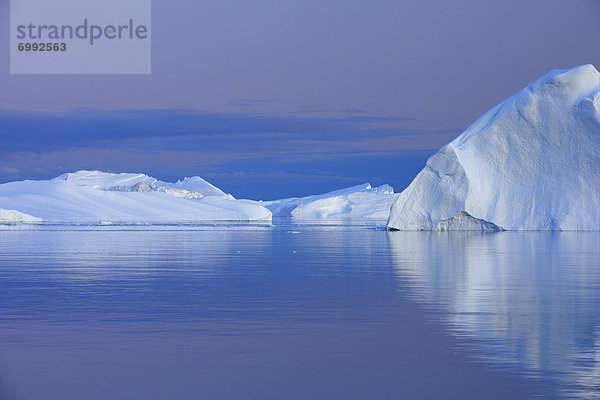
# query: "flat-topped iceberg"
{"type": "Point", "coordinates": [359, 203]}
{"type": "Point", "coordinates": [99, 197]}
{"type": "Point", "coordinates": [530, 163]}
{"type": "Point", "coordinates": [195, 186]}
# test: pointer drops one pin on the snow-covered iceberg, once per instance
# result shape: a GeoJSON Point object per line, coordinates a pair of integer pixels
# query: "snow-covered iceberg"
{"type": "Point", "coordinates": [359, 203]}
{"type": "Point", "coordinates": [530, 163]}
{"type": "Point", "coordinates": [99, 197]}
{"type": "Point", "coordinates": [194, 187]}
{"type": "Point", "coordinates": [12, 216]}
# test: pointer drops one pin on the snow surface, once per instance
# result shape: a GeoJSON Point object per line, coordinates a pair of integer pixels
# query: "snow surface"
{"type": "Point", "coordinates": [99, 197]}
{"type": "Point", "coordinates": [361, 202]}
{"type": "Point", "coordinates": [123, 181]}
{"type": "Point", "coordinates": [12, 216]}
{"type": "Point", "coordinates": [198, 185]}
{"type": "Point", "coordinates": [530, 163]}
{"type": "Point", "coordinates": [104, 180]}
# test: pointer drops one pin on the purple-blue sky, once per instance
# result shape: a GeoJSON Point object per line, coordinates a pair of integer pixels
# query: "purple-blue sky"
{"type": "Point", "coordinates": [279, 98]}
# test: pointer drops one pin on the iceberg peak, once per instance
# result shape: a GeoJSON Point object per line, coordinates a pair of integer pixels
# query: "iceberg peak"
{"type": "Point", "coordinates": [567, 86]}
{"type": "Point", "coordinates": [530, 163]}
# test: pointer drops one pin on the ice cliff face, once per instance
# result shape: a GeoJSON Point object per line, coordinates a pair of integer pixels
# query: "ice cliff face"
{"type": "Point", "coordinates": [530, 163]}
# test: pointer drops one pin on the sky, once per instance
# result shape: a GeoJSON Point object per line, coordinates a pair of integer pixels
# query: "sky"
{"type": "Point", "coordinates": [271, 99]}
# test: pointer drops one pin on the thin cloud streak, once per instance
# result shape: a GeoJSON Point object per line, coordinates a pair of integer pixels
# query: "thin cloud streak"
{"type": "Point", "coordinates": [171, 144]}
{"type": "Point", "coordinates": [149, 130]}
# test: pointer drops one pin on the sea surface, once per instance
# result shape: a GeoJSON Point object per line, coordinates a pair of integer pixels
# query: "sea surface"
{"type": "Point", "coordinates": [297, 311]}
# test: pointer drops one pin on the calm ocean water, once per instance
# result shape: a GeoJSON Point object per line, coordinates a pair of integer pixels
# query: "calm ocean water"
{"type": "Point", "coordinates": [297, 312]}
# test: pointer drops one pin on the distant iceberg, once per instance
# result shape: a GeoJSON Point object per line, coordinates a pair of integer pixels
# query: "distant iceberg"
{"type": "Point", "coordinates": [95, 197]}
{"type": "Point", "coordinates": [530, 163]}
{"type": "Point", "coordinates": [361, 203]}
{"type": "Point", "coordinates": [12, 216]}
{"type": "Point", "coordinates": [100, 197]}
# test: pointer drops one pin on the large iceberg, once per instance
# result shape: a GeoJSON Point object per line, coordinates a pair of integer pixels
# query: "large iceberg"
{"type": "Point", "coordinates": [530, 163]}
{"type": "Point", "coordinates": [99, 197]}
{"type": "Point", "coordinates": [361, 203]}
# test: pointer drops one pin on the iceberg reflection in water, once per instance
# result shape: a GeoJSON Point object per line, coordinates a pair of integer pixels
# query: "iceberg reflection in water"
{"type": "Point", "coordinates": [221, 312]}
{"type": "Point", "coordinates": [295, 311]}
{"type": "Point", "coordinates": [526, 301]}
